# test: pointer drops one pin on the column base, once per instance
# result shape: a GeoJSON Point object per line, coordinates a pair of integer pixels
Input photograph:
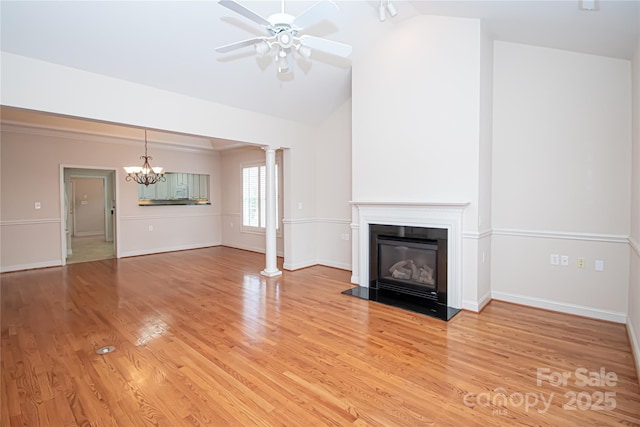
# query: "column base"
{"type": "Point", "coordinates": [273, 273]}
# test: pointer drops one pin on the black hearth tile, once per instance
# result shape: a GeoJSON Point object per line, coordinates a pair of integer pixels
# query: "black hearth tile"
{"type": "Point", "coordinates": [405, 302]}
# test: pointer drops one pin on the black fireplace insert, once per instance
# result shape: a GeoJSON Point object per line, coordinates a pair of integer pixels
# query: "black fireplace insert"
{"type": "Point", "coordinates": [408, 269]}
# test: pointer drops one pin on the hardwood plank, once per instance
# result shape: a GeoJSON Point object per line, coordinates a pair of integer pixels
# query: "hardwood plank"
{"type": "Point", "coordinates": [203, 339]}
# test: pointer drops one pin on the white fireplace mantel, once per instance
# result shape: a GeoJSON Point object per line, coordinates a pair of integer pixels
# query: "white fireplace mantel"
{"type": "Point", "coordinates": [417, 214]}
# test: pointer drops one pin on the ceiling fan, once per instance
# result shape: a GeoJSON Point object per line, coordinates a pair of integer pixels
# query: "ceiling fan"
{"type": "Point", "coordinates": [283, 33]}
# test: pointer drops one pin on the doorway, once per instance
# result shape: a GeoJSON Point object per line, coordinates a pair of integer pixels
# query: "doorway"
{"type": "Point", "coordinates": [89, 215]}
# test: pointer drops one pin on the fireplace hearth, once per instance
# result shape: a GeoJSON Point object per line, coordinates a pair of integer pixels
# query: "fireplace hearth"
{"type": "Point", "coordinates": [408, 269]}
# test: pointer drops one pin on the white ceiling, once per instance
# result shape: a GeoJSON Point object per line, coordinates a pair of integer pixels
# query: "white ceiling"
{"type": "Point", "coordinates": [170, 44]}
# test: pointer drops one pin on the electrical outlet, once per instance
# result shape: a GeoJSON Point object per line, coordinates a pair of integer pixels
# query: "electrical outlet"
{"type": "Point", "coordinates": [555, 259]}
{"type": "Point", "coordinates": [37, 205]}
{"type": "Point", "coordinates": [564, 260]}
{"type": "Point", "coordinates": [151, 228]}
{"type": "Point", "coordinates": [580, 262]}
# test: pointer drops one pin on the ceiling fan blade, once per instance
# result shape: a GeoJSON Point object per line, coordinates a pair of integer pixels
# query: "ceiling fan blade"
{"type": "Point", "coordinates": [328, 46]}
{"type": "Point", "coordinates": [237, 45]}
{"type": "Point", "coordinates": [244, 11]}
{"type": "Point", "coordinates": [316, 13]}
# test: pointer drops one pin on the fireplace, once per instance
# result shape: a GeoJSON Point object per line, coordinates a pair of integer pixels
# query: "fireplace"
{"type": "Point", "coordinates": [409, 260]}
{"type": "Point", "coordinates": [422, 243]}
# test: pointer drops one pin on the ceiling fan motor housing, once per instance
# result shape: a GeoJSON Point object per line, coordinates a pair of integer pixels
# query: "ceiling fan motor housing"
{"type": "Point", "coordinates": [285, 38]}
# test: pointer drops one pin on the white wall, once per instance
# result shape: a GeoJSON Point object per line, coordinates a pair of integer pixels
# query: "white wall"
{"type": "Point", "coordinates": [37, 155]}
{"type": "Point", "coordinates": [333, 189]}
{"type": "Point", "coordinates": [561, 179]}
{"type": "Point", "coordinates": [416, 114]}
{"type": "Point", "coordinates": [300, 205]}
{"type": "Point", "coordinates": [417, 126]}
{"type": "Point", "coordinates": [42, 86]}
{"type": "Point", "coordinates": [633, 321]}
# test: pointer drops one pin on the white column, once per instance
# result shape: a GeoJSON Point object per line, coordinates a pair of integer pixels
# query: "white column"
{"type": "Point", "coordinates": [271, 259]}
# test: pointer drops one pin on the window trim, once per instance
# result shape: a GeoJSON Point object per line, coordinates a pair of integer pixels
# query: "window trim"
{"type": "Point", "coordinates": [279, 223]}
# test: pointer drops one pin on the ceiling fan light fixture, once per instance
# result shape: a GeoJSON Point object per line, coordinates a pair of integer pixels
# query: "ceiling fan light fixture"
{"type": "Point", "coordinates": [283, 33]}
{"type": "Point", "coordinates": [283, 62]}
{"type": "Point", "coordinates": [262, 48]}
{"type": "Point", "coordinates": [304, 51]}
{"type": "Point", "coordinates": [391, 9]}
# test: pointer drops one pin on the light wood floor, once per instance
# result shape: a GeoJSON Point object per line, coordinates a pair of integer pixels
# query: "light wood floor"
{"type": "Point", "coordinates": [203, 339]}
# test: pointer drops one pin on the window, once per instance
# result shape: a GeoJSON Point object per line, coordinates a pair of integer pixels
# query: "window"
{"type": "Point", "coordinates": [254, 196]}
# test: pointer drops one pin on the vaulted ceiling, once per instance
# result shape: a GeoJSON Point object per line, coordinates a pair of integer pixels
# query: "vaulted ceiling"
{"type": "Point", "coordinates": [170, 44]}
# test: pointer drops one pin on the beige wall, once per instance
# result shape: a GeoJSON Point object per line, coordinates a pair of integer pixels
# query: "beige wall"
{"type": "Point", "coordinates": [231, 162]}
{"type": "Point", "coordinates": [40, 155]}
{"type": "Point", "coordinates": [89, 205]}
{"type": "Point", "coordinates": [561, 179]}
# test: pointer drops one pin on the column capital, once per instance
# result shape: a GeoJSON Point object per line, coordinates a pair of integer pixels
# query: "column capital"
{"type": "Point", "coordinates": [269, 148]}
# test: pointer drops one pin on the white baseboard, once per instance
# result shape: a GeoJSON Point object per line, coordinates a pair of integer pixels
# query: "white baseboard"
{"type": "Point", "coordinates": [334, 264]}
{"type": "Point", "coordinates": [299, 265]}
{"type": "Point", "coordinates": [312, 262]}
{"type": "Point", "coordinates": [486, 299]}
{"type": "Point", "coordinates": [88, 233]}
{"type": "Point", "coordinates": [152, 251]}
{"type": "Point", "coordinates": [561, 307]}
{"type": "Point", "coordinates": [635, 347]}
{"type": "Point", "coordinates": [246, 248]}
{"type": "Point", "coordinates": [43, 264]}
{"type": "Point", "coordinates": [250, 248]}
{"type": "Point", "coordinates": [477, 306]}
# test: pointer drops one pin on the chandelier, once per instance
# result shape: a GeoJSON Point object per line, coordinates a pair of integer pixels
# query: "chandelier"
{"type": "Point", "coordinates": [146, 174]}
